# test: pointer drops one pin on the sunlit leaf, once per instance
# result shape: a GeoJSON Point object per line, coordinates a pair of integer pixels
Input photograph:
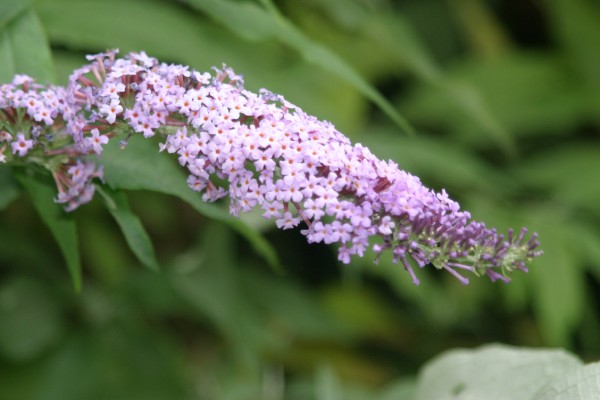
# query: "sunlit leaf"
{"type": "Point", "coordinates": [581, 384]}
{"type": "Point", "coordinates": [475, 373]}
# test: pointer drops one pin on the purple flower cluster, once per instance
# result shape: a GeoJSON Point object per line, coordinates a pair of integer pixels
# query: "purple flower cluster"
{"type": "Point", "coordinates": [297, 169]}
{"type": "Point", "coordinates": [32, 121]}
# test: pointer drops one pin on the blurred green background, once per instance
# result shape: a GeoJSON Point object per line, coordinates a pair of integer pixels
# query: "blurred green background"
{"type": "Point", "coordinates": [504, 98]}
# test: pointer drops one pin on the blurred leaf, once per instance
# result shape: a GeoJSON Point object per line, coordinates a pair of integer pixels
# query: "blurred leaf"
{"type": "Point", "coordinates": [255, 23]}
{"type": "Point", "coordinates": [438, 160]}
{"type": "Point", "coordinates": [10, 9]}
{"type": "Point", "coordinates": [142, 167]}
{"type": "Point", "coordinates": [529, 93]}
{"type": "Point", "coordinates": [327, 386]}
{"type": "Point", "coordinates": [290, 307]}
{"type": "Point", "coordinates": [586, 236]}
{"type": "Point", "coordinates": [177, 34]}
{"type": "Point", "coordinates": [23, 44]}
{"type": "Point", "coordinates": [557, 271]}
{"type": "Point", "coordinates": [131, 226]}
{"type": "Point", "coordinates": [394, 34]}
{"type": "Point", "coordinates": [61, 225]}
{"type": "Point", "coordinates": [475, 373]}
{"type": "Point", "coordinates": [124, 361]}
{"type": "Point", "coordinates": [9, 190]}
{"type": "Point", "coordinates": [576, 24]}
{"type": "Point", "coordinates": [30, 320]}
{"type": "Point", "coordinates": [207, 279]}
{"type": "Point", "coordinates": [361, 310]}
{"type": "Point", "coordinates": [570, 173]}
{"type": "Point", "coordinates": [401, 389]}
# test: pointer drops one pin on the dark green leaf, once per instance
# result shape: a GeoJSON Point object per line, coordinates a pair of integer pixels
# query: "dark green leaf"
{"type": "Point", "coordinates": [570, 173]}
{"type": "Point", "coordinates": [61, 224]}
{"type": "Point", "coordinates": [124, 360]}
{"type": "Point", "coordinates": [577, 26]}
{"type": "Point", "coordinates": [24, 48]}
{"type": "Point", "coordinates": [131, 226]}
{"type": "Point", "coordinates": [30, 321]}
{"type": "Point", "coordinates": [557, 271]}
{"type": "Point", "coordinates": [142, 167]}
{"type": "Point", "coordinates": [394, 34]}
{"type": "Point", "coordinates": [9, 190]}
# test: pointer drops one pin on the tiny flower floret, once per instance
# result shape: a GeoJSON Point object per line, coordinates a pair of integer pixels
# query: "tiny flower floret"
{"type": "Point", "coordinates": [263, 152]}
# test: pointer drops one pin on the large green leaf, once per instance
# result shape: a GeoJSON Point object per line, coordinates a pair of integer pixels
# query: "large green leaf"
{"type": "Point", "coordinates": [255, 23]}
{"type": "Point", "coordinates": [581, 384]}
{"type": "Point", "coordinates": [495, 372]}
{"type": "Point", "coordinates": [142, 167]}
{"type": "Point", "coordinates": [131, 226]}
{"type": "Point", "coordinates": [61, 224]}
{"type": "Point", "coordinates": [23, 44]}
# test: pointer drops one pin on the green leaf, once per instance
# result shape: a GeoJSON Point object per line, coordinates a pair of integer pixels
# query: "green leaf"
{"type": "Point", "coordinates": [142, 167]}
{"type": "Point", "coordinates": [252, 22]}
{"type": "Point", "coordinates": [23, 46]}
{"type": "Point", "coordinates": [394, 34]}
{"type": "Point", "coordinates": [207, 278]}
{"type": "Point", "coordinates": [61, 225]}
{"type": "Point", "coordinates": [9, 190]}
{"type": "Point", "coordinates": [496, 372]}
{"type": "Point", "coordinates": [131, 226]}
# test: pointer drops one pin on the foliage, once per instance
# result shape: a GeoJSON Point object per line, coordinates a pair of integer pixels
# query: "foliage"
{"type": "Point", "coordinates": [503, 99]}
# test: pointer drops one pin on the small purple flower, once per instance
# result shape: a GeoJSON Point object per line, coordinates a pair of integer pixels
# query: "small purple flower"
{"type": "Point", "coordinates": [21, 146]}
